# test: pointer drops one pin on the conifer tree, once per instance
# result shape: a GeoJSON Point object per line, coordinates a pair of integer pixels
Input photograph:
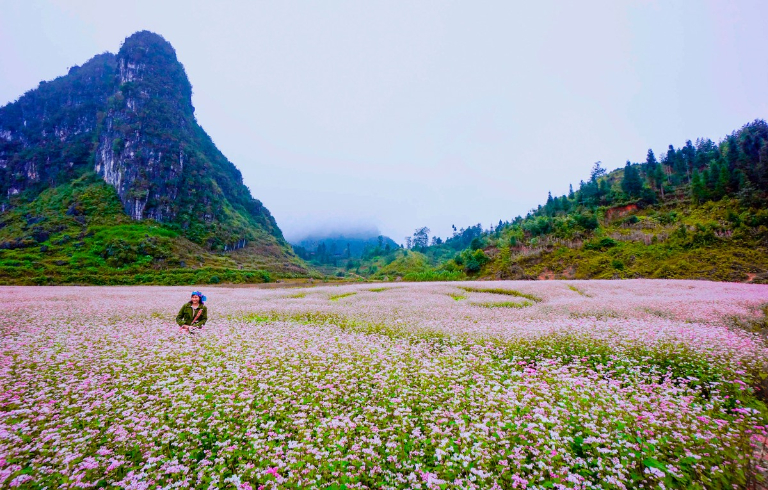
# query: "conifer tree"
{"type": "Point", "coordinates": [698, 190]}
{"type": "Point", "coordinates": [650, 161]}
{"type": "Point", "coordinates": [658, 178]}
{"type": "Point", "coordinates": [688, 154]}
{"type": "Point", "coordinates": [723, 182]}
{"type": "Point", "coordinates": [604, 189]}
{"type": "Point", "coordinates": [711, 174]}
{"type": "Point", "coordinates": [631, 184]}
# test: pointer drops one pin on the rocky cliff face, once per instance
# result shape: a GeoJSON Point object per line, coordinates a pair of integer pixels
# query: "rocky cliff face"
{"type": "Point", "coordinates": [46, 136]}
{"type": "Point", "coordinates": [129, 118]}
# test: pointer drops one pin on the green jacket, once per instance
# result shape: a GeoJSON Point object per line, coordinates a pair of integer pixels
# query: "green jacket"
{"type": "Point", "coordinates": [185, 315]}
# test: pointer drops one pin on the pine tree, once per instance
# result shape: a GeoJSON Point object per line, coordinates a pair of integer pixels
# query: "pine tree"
{"type": "Point", "coordinates": [597, 172]}
{"type": "Point", "coordinates": [555, 205]}
{"type": "Point", "coordinates": [658, 178]}
{"type": "Point", "coordinates": [688, 157]}
{"type": "Point", "coordinates": [712, 174]}
{"type": "Point", "coordinates": [732, 152]}
{"type": "Point", "coordinates": [650, 161]}
{"type": "Point", "coordinates": [604, 189]}
{"type": "Point", "coordinates": [742, 181]}
{"type": "Point", "coordinates": [631, 184]}
{"type": "Point", "coordinates": [723, 182]}
{"type": "Point", "coordinates": [698, 191]}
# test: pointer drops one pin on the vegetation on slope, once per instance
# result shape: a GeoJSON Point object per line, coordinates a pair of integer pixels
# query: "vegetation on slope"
{"type": "Point", "coordinates": [77, 233]}
{"type": "Point", "coordinates": [697, 212]}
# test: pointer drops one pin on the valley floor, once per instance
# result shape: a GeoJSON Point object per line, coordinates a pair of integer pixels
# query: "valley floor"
{"type": "Point", "coordinates": [550, 384]}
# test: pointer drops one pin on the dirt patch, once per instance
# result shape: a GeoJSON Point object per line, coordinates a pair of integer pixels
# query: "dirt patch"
{"type": "Point", "coordinates": [619, 211]}
{"type": "Point", "coordinates": [546, 275]}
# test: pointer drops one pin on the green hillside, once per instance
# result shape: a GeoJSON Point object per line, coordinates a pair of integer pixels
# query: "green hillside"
{"type": "Point", "coordinates": [77, 233]}
{"type": "Point", "coordinates": [699, 211]}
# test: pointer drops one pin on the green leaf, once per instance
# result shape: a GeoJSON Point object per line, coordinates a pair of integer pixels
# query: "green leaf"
{"type": "Point", "coordinates": [654, 463]}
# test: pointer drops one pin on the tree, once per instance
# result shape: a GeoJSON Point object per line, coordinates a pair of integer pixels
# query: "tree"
{"type": "Point", "coordinates": [723, 182]}
{"type": "Point", "coordinates": [597, 172]}
{"type": "Point", "coordinates": [698, 190]}
{"type": "Point", "coordinates": [631, 184]}
{"type": "Point", "coordinates": [604, 189]}
{"type": "Point", "coordinates": [650, 161]}
{"type": "Point", "coordinates": [732, 152]}
{"type": "Point", "coordinates": [549, 206]}
{"type": "Point", "coordinates": [421, 238]}
{"type": "Point", "coordinates": [706, 150]}
{"type": "Point", "coordinates": [476, 244]}
{"type": "Point", "coordinates": [675, 161]}
{"type": "Point", "coordinates": [689, 158]}
{"type": "Point", "coordinates": [658, 178]}
{"type": "Point", "coordinates": [710, 174]}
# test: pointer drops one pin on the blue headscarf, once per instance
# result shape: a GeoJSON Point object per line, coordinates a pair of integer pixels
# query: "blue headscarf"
{"type": "Point", "coordinates": [198, 293]}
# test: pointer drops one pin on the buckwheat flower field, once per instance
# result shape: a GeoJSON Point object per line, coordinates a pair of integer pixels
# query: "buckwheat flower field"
{"type": "Point", "coordinates": [600, 384]}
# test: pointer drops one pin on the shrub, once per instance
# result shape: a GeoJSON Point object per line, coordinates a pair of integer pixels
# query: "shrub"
{"type": "Point", "coordinates": [602, 244]}
{"type": "Point", "coordinates": [587, 221]}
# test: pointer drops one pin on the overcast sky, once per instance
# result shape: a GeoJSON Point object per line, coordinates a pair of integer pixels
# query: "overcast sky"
{"type": "Point", "coordinates": [400, 114]}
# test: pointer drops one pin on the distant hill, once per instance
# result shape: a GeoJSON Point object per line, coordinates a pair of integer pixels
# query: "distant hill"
{"type": "Point", "coordinates": [334, 247]}
{"type": "Point", "coordinates": [100, 165]}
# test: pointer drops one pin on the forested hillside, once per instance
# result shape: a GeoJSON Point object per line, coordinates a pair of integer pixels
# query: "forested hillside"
{"type": "Point", "coordinates": [697, 211]}
{"type": "Point", "coordinates": [340, 254]}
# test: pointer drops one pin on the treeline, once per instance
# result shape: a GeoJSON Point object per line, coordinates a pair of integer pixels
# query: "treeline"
{"type": "Point", "coordinates": [700, 171]}
{"type": "Point", "coordinates": [339, 250]}
{"type": "Point", "coordinates": [323, 253]}
{"type": "Point", "coordinates": [703, 171]}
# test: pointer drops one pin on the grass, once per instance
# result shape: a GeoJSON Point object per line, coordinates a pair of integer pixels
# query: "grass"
{"type": "Point", "coordinates": [77, 233]}
{"type": "Point", "coordinates": [337, 297]}
{"type": "Point", "coordinates": [577, 290]}
{"type": "Point", "coordinates": [508, 292]}
{"type": "Point", "coordinates": [378, 290]}
{"type": "Point", "coordinates": [505, 304]}
{"type": "Point", "coordinates": [457, 297]}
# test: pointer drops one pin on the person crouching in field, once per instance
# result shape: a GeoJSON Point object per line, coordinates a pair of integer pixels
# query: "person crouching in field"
{"type": "Point", "coordinates": [193, 314]}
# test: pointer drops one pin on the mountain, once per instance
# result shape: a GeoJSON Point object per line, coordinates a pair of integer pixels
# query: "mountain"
{"type": "Point", "coordinates": [127, 122]}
